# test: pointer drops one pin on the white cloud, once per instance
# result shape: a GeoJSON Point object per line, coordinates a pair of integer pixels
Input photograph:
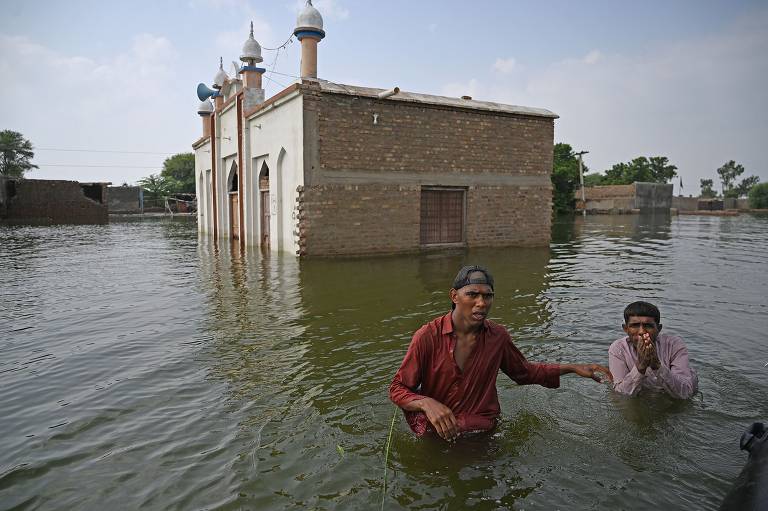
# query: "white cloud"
{"type": "Point", "coordinates": [122, 102]}
{"type": "Point", "coordinates": [592, 57]}
{"type": "Point", "coordinates": [698, 102]}
{"type": "Point", "coordinates": [504, 65]}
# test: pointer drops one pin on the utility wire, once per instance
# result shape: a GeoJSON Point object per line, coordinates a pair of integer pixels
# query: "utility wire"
{"type": "Point", "coordinates": [95, 151]}
{"type": "Point", "coordinates": [75, 165]}
{"type": "Point", "coordinates": [286, 43]}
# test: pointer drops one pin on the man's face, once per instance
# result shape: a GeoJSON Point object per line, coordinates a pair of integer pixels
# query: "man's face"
{"type": "Point", "coordinates": [636, 326]}
{"type": "Point", "coordinates": [473, 302]}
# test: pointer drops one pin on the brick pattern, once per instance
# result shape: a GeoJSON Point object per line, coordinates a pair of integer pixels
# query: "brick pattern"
{"type": "Point", "coordinates": [506, 215]}
{"type": "Point", "coordinates": [607, 192]}
{"type": "Point", "coordinates": [51, 202]}
{"type": "Point", "coordinates": [418, 138]}
{"type": "Point", "coordinates": [412, 139]}
{"type": "Point", "coordinates": [356, 219]}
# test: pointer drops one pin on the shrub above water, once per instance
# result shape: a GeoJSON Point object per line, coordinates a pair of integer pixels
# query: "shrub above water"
{"type": "Point", "coordinates": [758, 196]}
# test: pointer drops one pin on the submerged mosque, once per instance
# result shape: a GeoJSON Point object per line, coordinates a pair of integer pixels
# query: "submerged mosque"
{"type": "Point", "coordinates": [322, 168]}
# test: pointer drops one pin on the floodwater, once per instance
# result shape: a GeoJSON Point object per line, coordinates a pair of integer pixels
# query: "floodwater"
{"type": "Point", "coordinates": [143, 368]}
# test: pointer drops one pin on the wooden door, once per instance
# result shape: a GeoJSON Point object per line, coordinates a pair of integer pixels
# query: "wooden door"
{"type": "Point", "coordinates": [234, 215]}
{"type": "Point", "coordinates": [265, 218]}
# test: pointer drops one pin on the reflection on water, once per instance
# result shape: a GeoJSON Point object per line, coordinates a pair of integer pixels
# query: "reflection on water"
{"type": "Point", "coordinates": [143, 367]}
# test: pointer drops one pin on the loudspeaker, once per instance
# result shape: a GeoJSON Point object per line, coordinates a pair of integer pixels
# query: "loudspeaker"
{"type": "Point", "coordinates": [204, 92]}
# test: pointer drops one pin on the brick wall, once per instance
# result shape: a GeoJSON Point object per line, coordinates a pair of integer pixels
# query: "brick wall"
{"type": "Point", "coordinates": [364, 180]}
{"type": "Point", "coordinates": [608, 192]}
{"type": "Point", "coordinates": [414, 137]}
{"type": "Point", "coordinates": [48, 202]}
{"type": "Point", "coordinates": [358, 219]}
{"type": "Point", "coordinates": [498, 216]}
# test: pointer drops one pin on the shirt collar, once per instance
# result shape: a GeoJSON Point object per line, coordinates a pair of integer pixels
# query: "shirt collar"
{"type": "Point", "coordinates": [447, 324]}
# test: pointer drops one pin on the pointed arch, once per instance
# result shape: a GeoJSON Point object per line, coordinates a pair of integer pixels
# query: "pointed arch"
{"type": "Point", "coordinates": [264, 206]}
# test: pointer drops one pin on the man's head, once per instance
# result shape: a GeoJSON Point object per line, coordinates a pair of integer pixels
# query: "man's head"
{"type": "Point", "coordinates": [472, 294]}
{"type": "Point", "coordinates": [640, 318]}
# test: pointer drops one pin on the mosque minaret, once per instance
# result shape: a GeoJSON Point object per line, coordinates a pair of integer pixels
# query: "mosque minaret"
{"type": "Point", "coordinates": [309, 30]}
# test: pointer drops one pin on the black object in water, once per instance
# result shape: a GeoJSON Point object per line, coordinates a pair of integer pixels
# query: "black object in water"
{"type": "Point", "coordinates": [750, 491]}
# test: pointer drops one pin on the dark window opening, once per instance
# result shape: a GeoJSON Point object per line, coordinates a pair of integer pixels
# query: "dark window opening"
{"type": "Point", "coordinates": [95, 192]}
{"type": "Point", "coordinates": [442, 216]}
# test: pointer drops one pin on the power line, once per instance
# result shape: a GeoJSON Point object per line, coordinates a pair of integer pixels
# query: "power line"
{"type": "Point", "coordinates": [75, 165]}
{"type": "Point", "coordinates": [96, 151]}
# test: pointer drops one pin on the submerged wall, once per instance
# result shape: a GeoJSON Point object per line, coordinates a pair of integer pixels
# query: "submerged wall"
{"type": "Point", "coordinates": [49, 202]}
{"type": "Point", "coordinates": [125, 199]}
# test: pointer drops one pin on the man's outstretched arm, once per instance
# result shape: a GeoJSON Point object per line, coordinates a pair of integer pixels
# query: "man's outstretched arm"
{"type": "Point", "coordinates": [595, 371]}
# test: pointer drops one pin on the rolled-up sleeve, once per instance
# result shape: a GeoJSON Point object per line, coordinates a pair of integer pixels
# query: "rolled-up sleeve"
{"type": "Point", "coordinates": [515, 365]}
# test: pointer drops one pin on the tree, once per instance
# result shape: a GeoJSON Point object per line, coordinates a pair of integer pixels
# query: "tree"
{"type": "Point", "coordinates": [565, 176]}
{"type": "Point", "coordinates": [156, 186]}
{"type": "Point", "coordinates": [595, 179]}
{"type": "Point", "coordinates": [728, 174]}
{"type": "Point", "coordinates": [655, 169]}
{"type": "Point", "coordinates": [16, 154]}
{"type": "Point", "coordinates": [743, 188]}
{"type": "Point", "coordinates": [661, 170]}
{"type": "Point", "coordinates": [706, 188]}
{"type": "Point", "coordinates": [758, 196]}
{"type": "Point", "coordinates": [179, 173]}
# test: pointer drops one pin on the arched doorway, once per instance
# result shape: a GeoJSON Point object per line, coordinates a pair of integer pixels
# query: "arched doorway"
{"type": "Point", "coordinates": [264, 204]}
{"type": "Point", "coordinates": [234, 207]}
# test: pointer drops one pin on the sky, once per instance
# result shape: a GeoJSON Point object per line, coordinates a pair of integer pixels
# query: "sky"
{"type": "Point", "coordinates": [105, 91]}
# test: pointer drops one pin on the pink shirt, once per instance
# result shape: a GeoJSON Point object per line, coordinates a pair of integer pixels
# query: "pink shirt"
{"type": "Point", "coordinates": [429, 369]}
{"type": "Point", "coordinates": [674, 376]}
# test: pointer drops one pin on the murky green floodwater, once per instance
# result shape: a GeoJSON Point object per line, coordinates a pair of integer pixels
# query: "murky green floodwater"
{"type": "Point", "coordinates": [141, 368]}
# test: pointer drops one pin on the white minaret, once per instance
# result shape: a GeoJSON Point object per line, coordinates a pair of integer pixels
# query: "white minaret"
{"type": "Point", "coordinates": [205, 110]}
{"type": "Point", "coordinates": [218, 82]}
{"type": "Point", "coordinates": [309, 30]}
{"type": "Point", "coordinates": [254, 93]}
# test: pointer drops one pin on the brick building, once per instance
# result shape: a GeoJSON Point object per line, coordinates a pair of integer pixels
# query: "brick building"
{"type": "Point", "coordinates": [324, 168]}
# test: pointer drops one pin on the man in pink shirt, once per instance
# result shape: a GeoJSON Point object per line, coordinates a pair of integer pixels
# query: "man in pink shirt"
{"type": "Point", "coordinates": [648, 359]}
{"type": "Point", "coordinates": [447, 381]}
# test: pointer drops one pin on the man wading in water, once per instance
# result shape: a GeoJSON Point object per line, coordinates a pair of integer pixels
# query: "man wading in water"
{"type": "Point", "coordinates": [447, 381]}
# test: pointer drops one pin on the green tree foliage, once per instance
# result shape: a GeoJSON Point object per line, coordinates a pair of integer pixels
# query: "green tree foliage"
{"type": "Point", "coordinates": [746, 185]}
{"type": "Point", "coordinates": [15, 154]}
{"type": "Point", "coordinates": [728, 174]}
{"type": "Point", "coordinates": [706, 188]}
{"type": "Point", "coordinates": [179, 172]}
{"type": "Point", "coordinates": [595, 179]}
{"type": "Point", "coordinates": [655, 169]}
{"type": "Point", "coordinates": [565, 178]}
{"type": "Point", "coordinates": [156, 186]}
{"type": "Point", "coordinates": [758, 196]}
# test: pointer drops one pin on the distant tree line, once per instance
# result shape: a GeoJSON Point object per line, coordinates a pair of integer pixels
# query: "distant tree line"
{"type": "Point", "coordinates": [16, 153]}
{"type": "Point", "coordinates": [654, 169]}
{"type": "Point", "coordinates": [177, 176]}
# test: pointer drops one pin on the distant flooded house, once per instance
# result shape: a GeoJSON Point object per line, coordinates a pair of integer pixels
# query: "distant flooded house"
{"type": "Point", "coordinates": [323, 168]}
{"type": "Point", "coordinates": [52, 202]}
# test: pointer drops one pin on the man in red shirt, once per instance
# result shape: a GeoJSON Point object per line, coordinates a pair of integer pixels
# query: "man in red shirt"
{"type": "Point", "coordinates": [447, 381]}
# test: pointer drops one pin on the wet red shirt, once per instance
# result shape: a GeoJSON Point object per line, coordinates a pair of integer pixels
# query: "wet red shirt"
{"type": "Point", "coordinates": [429, 370]}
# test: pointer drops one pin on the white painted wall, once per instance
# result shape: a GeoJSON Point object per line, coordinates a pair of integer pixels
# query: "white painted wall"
{"type": "Point", "coordinates": [203, 188]}
{"type": "Point", "coordinates": [276, 136]}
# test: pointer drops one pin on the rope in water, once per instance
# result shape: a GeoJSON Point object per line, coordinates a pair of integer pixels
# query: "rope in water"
{"type": "Point", "coordinates": [386, 457]}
